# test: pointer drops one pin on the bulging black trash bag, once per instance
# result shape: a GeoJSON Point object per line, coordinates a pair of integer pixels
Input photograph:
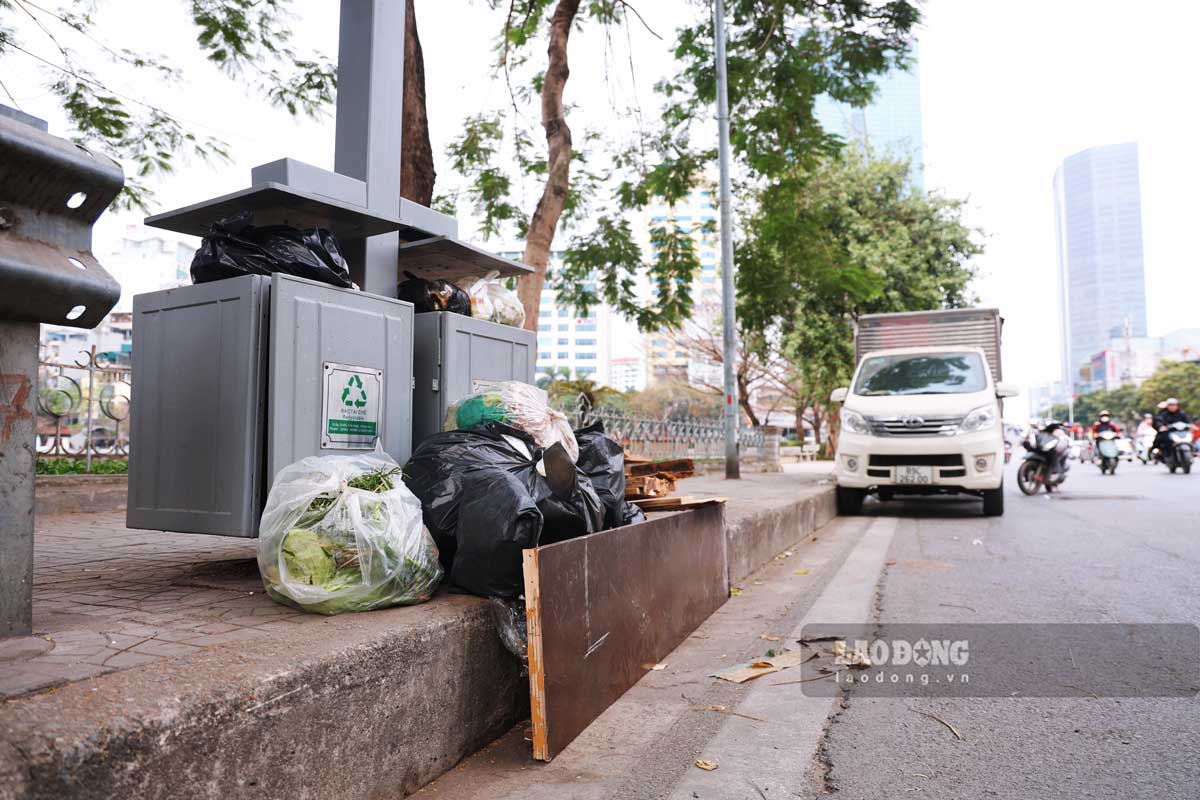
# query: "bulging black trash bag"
{"type": "Point", "coordinates": [433, 295]}
{"type": "Point", "coordinates": [234, 247]}
{"type": "Point", "coordinates": [602, 459]}
{"type": "Point", "coordinates": [484, 501]}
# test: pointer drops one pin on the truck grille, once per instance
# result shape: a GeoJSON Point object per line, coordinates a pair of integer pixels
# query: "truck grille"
{"type": "Point", "coordinates": [914, 425]}
{"type": "Point", "coordinates": [934, 460]}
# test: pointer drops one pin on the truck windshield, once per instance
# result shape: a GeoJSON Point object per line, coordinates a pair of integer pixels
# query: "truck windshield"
{"type": "Point", "coordinates": [922, 373]}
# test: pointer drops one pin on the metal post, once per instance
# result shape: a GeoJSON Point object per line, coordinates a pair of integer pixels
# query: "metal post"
{"type": "Point", "coordinates": [728, 318]}
{"type": "Point", "coordinates": [370, 103]}
{"type": "Point", "coordinates": [87, 436]}
{"type": "Point", "coordinates": [18, 385]}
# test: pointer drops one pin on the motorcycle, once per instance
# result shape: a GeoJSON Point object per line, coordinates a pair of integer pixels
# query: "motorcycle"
{"type": "Point", "coordinates": [1179, 453]}
{"type": "Point", "coordinates": [1109, 451]}
{"type": "Point", "coordinates": [1046, 461]}
{"type": "Point", "coordinates": [1145, 446]}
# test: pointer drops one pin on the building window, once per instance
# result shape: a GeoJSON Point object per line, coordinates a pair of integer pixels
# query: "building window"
{"type": "Point", "coordinates": [585, 356]}
{"type": "Point", "coordinates": [564, 312]}
{"type": "Point", "coordinates": [585, 327]}
{"type": "Point", "coordinates": [585, 370]}
{"type": "Point", "coordinates": [564, 356]}
{"type": "Point", "coordinates": [543, 327]}
{"type": "Point", "coordinates": [543, 343]}
{"type": "Point", "coordinates": [584, 342]}
{"type": "Point", "coordinates": [564, 326]}
{"type": "Point", "coordinates": [545, 312]}
{"type": "Point", "coordinates": [562, 342]}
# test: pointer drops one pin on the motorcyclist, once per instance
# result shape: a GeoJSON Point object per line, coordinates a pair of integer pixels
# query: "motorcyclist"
{"type": "Point", "coordinates": [1104, 423]}
{"type": "Point", "coordinates": [1170, 414]}
{"type": "Point", "coordinates": [1146, 426]}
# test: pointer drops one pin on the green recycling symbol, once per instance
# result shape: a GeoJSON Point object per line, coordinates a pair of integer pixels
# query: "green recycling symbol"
{"type": "Point", "coordinates": [355, 382]}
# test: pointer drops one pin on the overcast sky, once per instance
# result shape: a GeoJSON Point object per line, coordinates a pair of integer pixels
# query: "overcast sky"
{"type": "Point", "coordinates": [1008, 90]}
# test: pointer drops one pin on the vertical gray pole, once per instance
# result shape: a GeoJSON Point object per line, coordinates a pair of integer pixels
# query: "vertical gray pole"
{"type": "Point", "coordinates": [728, 319]}
{"type": "Point", "coordinates": [87, 437]}
{"type": "Point", "coordinates": [18, 459]}
{"type": "Point", "coordinates": [370, 103]}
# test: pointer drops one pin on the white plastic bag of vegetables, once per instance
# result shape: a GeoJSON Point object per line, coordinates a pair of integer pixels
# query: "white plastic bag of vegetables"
{"type": "Point", "coordinates": [343, 533]}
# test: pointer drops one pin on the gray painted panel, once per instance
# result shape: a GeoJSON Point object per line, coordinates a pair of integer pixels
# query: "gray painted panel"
{"type": "Point", "coordinates": [196, 438]}
{"type": "Point", "coordinates": [470, 350]}
{"type": "Point", "coordinates": [312, 323]}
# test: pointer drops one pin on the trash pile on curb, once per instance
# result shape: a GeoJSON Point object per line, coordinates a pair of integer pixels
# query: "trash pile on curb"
{"type": "Point", "coordinates": [355, 532]}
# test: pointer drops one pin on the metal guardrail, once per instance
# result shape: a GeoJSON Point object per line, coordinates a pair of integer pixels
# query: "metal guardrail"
{"type": "Point", "coordinates": [83, 408]}
{"type": "Point", "coordinates": [664, 438]}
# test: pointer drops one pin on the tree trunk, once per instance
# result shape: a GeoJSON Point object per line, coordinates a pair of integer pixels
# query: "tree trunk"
{"type": "Point", "coordinates": [558, 136]}
{"type": "Point", "coordinates": [416, 154]}
{"type": "Point", "coordinates": [744, 401]}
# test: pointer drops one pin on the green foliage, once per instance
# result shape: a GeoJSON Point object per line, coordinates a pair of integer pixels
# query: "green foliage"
{"type": "Point", "coordinates": [78, 466]}
{"type": "Point", "coordinates": [677, 402]}
{"type": "Point", "coordinates": [1178, 379]}
{"type": "Point", "coordinates": [782, 56]}
{"type": "Point", "coordinates": [847, 237]}
{"type": "Point", "coordinates": [473, 155]}
{"type": "Point", "coordinates": [1125, 404]}
{"type": "Point", "coordinates": [246, 39]}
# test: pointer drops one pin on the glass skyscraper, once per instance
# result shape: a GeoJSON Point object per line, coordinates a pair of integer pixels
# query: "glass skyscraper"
{"type": "Point", "coordinates": [891, 124]}
{"type": "Point", "coordinates": [1101, 283]}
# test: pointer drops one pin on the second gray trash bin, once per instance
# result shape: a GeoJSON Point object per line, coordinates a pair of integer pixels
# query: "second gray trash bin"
{"type": "Point", "coordinates": [456, 356]}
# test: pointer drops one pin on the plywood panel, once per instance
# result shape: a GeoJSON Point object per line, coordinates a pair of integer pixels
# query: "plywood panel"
{"type": "Point", "coordinates": [602, 609]}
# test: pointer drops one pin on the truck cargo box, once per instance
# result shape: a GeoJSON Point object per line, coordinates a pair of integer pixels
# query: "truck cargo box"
{"type": "Point", "coordinates": [956, 327]}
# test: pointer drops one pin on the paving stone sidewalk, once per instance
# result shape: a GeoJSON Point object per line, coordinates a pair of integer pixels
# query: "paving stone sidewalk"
{"type": "Point", "coordinates": [107, 598]}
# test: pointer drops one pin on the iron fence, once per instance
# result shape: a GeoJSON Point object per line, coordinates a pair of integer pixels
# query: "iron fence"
{"type": "Point", "coordinates": [83, 408]}
{"type": "Point", "coordinates": [664, 438]}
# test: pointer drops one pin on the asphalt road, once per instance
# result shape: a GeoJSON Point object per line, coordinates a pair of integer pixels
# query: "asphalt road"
{"type": "Point", "coordinates": [1123, 548]}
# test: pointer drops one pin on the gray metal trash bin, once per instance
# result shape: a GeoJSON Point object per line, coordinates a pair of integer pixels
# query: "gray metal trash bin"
{"type": "Point", "coordinates": [234, 380]}
{"type": "Point", "coordinates": [455, 355]}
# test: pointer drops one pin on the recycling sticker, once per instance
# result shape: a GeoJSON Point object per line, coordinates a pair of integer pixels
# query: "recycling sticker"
{"type": "Point", "coordinates": [352, 403]}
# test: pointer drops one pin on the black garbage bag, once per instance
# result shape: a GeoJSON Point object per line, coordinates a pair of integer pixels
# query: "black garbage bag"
{"type": "Point", "coordinates": [234, 247]}
{"type": "Point", "coordinates": [435, 295]}
{"type": "Point", "coordinates": [602, 459]}
{"type": "Point", "coordinates": [484, 501]}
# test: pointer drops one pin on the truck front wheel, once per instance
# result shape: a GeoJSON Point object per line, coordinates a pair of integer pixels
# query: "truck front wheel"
{"type": "Point", "coordinates": [993, 502]}
{"type": "Point", "coordinates": [849, 501]}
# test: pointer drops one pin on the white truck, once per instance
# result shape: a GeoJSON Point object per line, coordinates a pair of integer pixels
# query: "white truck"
{"type": "Point", "coordinates": [923, 413]}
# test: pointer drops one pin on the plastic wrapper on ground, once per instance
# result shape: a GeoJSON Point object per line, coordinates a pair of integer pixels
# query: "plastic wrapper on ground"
{"type": "Point", "coordinates": [343, 533]}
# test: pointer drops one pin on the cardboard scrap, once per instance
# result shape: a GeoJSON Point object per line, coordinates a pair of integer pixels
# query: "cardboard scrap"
{"type": "Point", "coordinates": [740, 673]}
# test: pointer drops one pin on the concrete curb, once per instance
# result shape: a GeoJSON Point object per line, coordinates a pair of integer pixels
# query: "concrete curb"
{"type": "Point", "coordinates": [755, 540]}
{"type": "Point", "coordinates": [384, 711]}
{"type": "Point", "coordinates": [72, 494]}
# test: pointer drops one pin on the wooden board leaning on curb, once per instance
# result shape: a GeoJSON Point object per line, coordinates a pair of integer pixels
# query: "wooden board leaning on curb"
{"type": "Point", "coordinates": [603, 609]}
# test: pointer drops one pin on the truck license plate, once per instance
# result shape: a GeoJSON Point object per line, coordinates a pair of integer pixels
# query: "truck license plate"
{"type": "Point", "coordinates": [911, 475]}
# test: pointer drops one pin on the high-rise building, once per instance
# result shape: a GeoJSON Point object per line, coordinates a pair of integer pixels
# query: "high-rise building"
{"type": "Point", "coordinates": [890, 124]}
{"type": "Point", "coordinates": [601, 347]}
{"type": "Point", "coordinates": [1101, 283]}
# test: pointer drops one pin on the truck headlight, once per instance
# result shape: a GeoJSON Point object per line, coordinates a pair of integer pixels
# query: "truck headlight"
{"type": "Point", "coordinates": [855, 422]}
{"type": "Point", "coordinates": [980, 419]}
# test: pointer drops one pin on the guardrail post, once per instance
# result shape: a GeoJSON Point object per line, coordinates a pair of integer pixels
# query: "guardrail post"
{"type": "Point", "coordinates": [51, 193]}
{"type": "Point", "coordinates": [18, 461]}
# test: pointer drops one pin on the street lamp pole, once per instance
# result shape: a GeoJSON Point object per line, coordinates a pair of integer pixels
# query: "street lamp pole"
{"type": "Point", "coordinates": [728, 319]}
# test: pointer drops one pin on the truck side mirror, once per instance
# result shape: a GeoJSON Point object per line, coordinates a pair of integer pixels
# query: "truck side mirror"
{"type": "Point", "coordinates": [1006, 390]}
{"type": "Point", "coordinates": [839, 395]}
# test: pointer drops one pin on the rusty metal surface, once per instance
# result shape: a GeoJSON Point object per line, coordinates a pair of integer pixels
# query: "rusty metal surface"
{"type": "Point", "coordinates": [51, 193]}
{"type": "Point", "coordinates": [603, 609]}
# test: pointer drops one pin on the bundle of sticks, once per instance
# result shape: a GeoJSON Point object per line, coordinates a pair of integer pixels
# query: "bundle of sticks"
{"type": "Point", "coordinates": [645, 479]}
